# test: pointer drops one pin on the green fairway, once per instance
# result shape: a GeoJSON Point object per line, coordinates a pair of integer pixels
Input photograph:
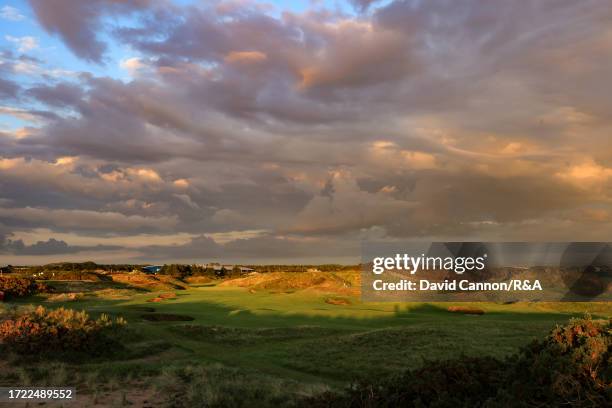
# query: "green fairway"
{"type": "Point", "coordinates": [296, 338]}
{"type": "Point", "coordinates": [301, 336]}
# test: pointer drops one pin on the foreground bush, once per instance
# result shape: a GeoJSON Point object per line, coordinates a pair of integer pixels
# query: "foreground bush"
{"type": "Point", "coordinates": [48, 332]}
{"type": "Point", "coordinates": [16, 287]}
{"type": "Point", "coordinates": [572, 366]}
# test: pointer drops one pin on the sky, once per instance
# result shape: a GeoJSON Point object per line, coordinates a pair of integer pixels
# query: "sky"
{"type": "Point", "coordinates": [154, 131]}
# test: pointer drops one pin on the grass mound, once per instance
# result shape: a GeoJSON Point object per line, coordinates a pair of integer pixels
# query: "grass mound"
{"type": "Point", "coordinates": [572, 366]}
{"type": "Point", "coordinates": [151, 283]}
{"type": "Point", "coordinates": [167, 317]}
{"type": "Point", "coordinates": [292, 281]}
{"type": "Point", "coordinates": [198, 280]}
{"type": "Point", "coordinates": [44, 332]}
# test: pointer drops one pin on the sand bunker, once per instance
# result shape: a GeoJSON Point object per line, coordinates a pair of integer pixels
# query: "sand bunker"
{"type": "Point", "coordinates": [338, 301]}
{"type": "Point", "coordinates": [466, 310]}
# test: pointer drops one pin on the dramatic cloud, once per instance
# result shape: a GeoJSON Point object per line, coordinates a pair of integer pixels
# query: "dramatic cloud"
{"type": "Point", "coordinates": [17, 247]}
{"type": "Point", "coordinates": [110, 222]}
{"type": "Point", "coordinates": [255, 134]}
{"type": "Point", "coordinates": [265, 249]}
{"type": "Point", "coordinates": [59, 95]}
{"type": "Point", "coordinates": [77, 22]}
{"type": "Point", "coordinates": [8, 89]}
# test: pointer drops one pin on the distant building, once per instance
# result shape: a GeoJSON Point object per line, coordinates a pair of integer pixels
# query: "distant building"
{"type": "Point", "coordinates": [154, 269]}
{"type": "Point", "coordinates": [225, 269]}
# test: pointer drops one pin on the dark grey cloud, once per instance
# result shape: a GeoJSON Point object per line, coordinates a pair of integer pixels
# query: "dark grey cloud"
{"type": "Point", "coordinates": [78, 22]}
{"type": "Point", "coordinates": [263, 249]}
{"type": "Point", "coordinates": [58, 95]}
{"type": "Point", "coordinates": [49, 247]}
{"type": "Point", "coordinates": [8, 89]}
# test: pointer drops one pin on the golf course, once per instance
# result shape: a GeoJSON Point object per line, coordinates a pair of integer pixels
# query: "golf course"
{"type": "Point", "coordinates": [267, 337]}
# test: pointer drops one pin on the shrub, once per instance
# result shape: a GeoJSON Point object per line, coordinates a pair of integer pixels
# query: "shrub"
{"type": "Point", "coordinates": [48, 332]}
{"type": "Point", "coordinates": [16, 287]}
{"type": "Point", "coordinates": [463, 382]}
{"type": "Point", "coordinates": [572, 366]}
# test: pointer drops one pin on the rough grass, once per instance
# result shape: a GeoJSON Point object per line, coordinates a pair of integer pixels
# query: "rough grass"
{"type": "Point", "coordinates": [345, 283]}
{"type": "Point", "coordinates": [195, 280]}
{"type": "Point", "coordinates": [90, 287]}
{"type": "Point", "coordinates": [250, 337]}
{"type": "Point", "coordinates": [569, 367]}
{"type": "Point", "coordinates": [296, 336]}
{"type": "Point", "coordinates": [149, 282]}
{"type": "Point", "coordinates": [223, 387]}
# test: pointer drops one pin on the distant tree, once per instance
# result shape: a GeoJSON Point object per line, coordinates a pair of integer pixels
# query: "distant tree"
{"type": "Point", "coordinates": [235, 272]}
{"type": "Point", "coordinates": [176, 270]}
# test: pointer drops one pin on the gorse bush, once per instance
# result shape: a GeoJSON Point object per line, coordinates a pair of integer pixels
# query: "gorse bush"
{"type": "Point", "coordinates": [572, 366]}
{"type": "Point", "coordinates": [16, 287]}
{"type": "Point", "coordinates": [46, 332]}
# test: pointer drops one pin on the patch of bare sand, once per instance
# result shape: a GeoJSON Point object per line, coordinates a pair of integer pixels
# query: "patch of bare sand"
{"type": "Point", "coordinates": [338, 301]}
